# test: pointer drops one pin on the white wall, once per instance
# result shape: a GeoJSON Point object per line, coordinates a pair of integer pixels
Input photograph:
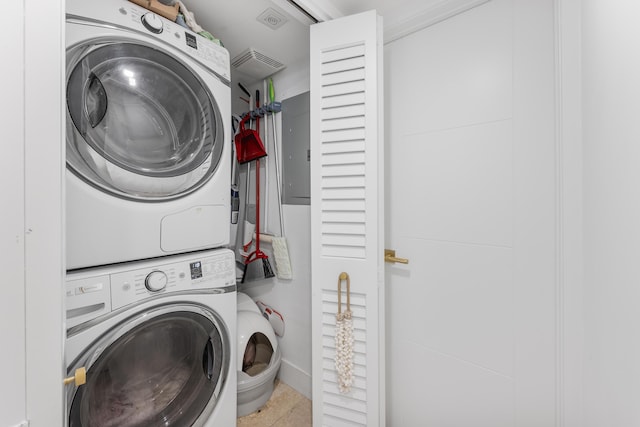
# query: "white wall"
{"type": "Point", "coordinates": [292, 298]}
{"type": "Point", "coordinates": [611, 89]}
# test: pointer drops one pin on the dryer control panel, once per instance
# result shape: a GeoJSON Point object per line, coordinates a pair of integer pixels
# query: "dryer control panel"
{"type": "Point", "coordinates": [93, 293]}
{"type": "Point", "coordinates": [124, 14]}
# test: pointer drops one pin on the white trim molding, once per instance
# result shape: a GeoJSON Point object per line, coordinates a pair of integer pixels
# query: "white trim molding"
{"type": "Point", "coordinates": [44, 155]}
{"type": "Point", "coordinates": [431, 15]}
{"type": "Point", "coordinates": [569, 213]}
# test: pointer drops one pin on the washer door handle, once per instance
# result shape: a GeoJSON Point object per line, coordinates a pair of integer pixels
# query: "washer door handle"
{"type": "Point", "coordinates": [79, 377]}
{"type": "Point", "coordinates": [207, 359]}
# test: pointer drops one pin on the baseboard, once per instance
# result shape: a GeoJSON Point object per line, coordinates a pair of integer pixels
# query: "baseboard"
{"type": "Point", "coordinates": [295, 378]}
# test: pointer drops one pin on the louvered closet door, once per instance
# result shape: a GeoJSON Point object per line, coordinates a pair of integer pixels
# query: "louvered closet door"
{"type": "Point", "coordinates": [347, 214]}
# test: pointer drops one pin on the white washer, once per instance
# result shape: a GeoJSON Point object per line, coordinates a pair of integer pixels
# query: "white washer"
{"type": "Point", "coordinates": [148, 136]}
{"type": "Point", "coordinates": [157, 339]}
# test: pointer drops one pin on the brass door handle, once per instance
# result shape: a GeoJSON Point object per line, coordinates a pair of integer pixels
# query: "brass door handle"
{"type": "Point", "coordinates": [79, 377]}
{"type": "Point", "coordinates": [390, 256]}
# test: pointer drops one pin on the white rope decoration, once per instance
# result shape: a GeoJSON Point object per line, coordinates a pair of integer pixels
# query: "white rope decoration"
{"type": "Point", "coordinates": [344, 340]}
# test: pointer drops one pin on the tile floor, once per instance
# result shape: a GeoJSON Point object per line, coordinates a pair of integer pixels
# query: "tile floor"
{"type": "Point", "coordinates": [286, 408]}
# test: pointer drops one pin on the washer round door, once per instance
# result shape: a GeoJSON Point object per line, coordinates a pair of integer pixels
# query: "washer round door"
{"type": "Point", "coordinates": [141, 124]}
{"type": "Point", "coordinates": [165, 366]}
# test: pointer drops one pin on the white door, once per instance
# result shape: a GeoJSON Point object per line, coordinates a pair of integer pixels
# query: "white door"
{"type": "Point", "coordinates": [347, 218]}
{"type": "Point", "coordinates": [471, 200]}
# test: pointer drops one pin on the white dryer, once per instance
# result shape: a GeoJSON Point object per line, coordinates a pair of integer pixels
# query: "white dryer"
{"type": "Point", "coordinates": [157, 340]}
{"type": "Point", "coordinates": [148, 136]}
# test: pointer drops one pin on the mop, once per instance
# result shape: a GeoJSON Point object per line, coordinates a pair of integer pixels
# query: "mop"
{"type": "Point", "coordinates": [279, 244]}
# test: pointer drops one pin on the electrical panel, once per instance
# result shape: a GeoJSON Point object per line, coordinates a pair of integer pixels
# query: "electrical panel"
{"type": "Point", "coordinates": [296, 155]}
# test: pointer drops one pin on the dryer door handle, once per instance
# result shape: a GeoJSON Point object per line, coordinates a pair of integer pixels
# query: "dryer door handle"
{"type": "Point", "coordinates": [95, 101]}
{"type": "Point", "coordinates": [207, 359]}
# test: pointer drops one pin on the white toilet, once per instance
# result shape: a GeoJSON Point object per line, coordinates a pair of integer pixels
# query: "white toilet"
{"type": "Point", "coordinates": [258, 357]}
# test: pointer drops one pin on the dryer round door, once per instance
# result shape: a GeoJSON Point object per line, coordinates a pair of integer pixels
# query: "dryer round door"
{"type": "Point", "coordinates": [165, 366]}
{"type": "Point", "coordinates": [141, 124]}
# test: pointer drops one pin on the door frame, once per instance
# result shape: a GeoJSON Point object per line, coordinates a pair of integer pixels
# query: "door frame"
{"type": "Point", "coordinates": [44, 161]}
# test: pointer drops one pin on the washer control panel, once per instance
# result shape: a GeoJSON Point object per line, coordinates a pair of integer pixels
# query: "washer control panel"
{"type": "Point", "coordinates": [199, 273]}
{"type": "Point", "coordinates": [92, 293]}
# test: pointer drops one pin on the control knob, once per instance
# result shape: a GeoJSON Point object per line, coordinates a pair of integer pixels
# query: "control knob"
{"type": "Point", "coordinates": [152, 22]}
{"type": "Point", "coordinates": [156, 281]}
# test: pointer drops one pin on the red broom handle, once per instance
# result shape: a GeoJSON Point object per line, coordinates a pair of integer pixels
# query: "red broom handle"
{"type": "Point", "coordinates": [258, 205]}
{"type": "Point", "coordinates": [258, 179]}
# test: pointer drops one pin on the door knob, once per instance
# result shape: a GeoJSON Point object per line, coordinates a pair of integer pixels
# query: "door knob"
{"type": "Point", "coordinates": [390, 256]}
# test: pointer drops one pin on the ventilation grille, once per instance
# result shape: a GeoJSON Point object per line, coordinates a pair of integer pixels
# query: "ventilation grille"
{"type": "Point", "coordinates": [272, 18]}
{"type": "Point", "coordinates": [256, 64]}
{"type": "Point", "coordinates": [348, 409]}
{"type": "Point", "coordinates": [342, 143]}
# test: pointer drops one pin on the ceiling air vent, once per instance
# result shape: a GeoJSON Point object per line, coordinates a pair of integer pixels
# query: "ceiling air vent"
{"type": "Point", "coordinates": [272, 18]}
{"type": "Point", "coordinates": [256, 64]}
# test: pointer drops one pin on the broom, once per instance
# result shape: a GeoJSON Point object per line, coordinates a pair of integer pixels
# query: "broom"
{"type": "Point", "coordinates": [267, 271]}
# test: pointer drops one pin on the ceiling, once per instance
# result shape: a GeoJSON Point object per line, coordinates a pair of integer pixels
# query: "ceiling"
{"type": "Point", "coordinates": [235, 23]}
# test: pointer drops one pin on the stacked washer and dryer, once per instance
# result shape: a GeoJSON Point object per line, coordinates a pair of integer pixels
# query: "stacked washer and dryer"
{"type": "Point", "coordinates": [150, 296]}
